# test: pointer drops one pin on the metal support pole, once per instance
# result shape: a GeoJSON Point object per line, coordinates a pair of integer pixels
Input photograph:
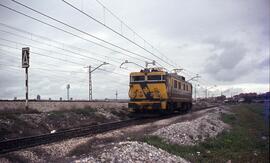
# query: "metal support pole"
{"type": "Point", "coordinates": [68, 86]}
{"type": "Point", "coordinates": [68, 94]}
{"type": "Point", "coordinates": [90, 83]}
{"type": "Point", "coordinates": [195, 92]}
{"type": "Point", "coordinates": [90, 78]}
{"type": "Point", "coordinates": [26, 88]}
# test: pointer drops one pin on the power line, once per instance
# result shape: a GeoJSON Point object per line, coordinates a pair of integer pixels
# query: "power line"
{"type": "Point", "coordinates": [81, 58]}
{"type": "Point", "coordinates": [103, 24]}
{"type": "Point", "coordinates": [50, 51]}
{"type": "Point", "coordinates": [56, 70]}
{"type": "Point", "coordinates": [122, 22]}
{"type": "Point", "coordinates": [74, 28]}
{"type": "Point", "coordinates": [47, 39]}
{"type": "Point", "coordinates": [63, 60]}
{"type": "Point", "coordinates": [55, 74]}
{"type": "Point", "coordinates": [70, 33]}
{"type": "Point", "coordinates": [7, 52]}
{"type": "Point", "coordinates": [48, 75]}
{"type": "Point", "coordinates": [53, 51]}
{"type": "Point", "coordinates": [40, 48]}
{"type": "Point", "coordinates": [64, 30]}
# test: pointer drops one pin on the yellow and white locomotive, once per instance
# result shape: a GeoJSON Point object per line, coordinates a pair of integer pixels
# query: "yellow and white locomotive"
{"type": "Point", "coordinates": [157, 90]}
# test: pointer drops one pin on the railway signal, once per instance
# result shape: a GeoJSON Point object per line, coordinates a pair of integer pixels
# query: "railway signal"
{"type": "Point", "coordinates": [25, 64]}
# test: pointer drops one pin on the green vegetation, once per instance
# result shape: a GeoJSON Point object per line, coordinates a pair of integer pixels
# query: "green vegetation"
{"type": "Point", "coordinates": [247, 141]}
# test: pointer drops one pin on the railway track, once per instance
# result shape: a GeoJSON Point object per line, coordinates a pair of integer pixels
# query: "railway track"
{"type": "Point", "coordinates": [31, 141]}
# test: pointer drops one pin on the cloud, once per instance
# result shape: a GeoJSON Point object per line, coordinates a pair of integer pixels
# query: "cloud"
{"type": "Point", "coordinates": [223, 64]}
{"type": "Point", "coordinates": [227, 43]}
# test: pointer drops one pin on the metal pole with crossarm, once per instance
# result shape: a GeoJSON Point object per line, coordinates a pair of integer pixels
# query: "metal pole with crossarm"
{"type": "Point", "coordinates": [90, 78]}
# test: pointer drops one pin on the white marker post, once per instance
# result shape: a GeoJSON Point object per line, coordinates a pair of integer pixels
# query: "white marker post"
{"type": "Point", "coordinates": [25, 64]}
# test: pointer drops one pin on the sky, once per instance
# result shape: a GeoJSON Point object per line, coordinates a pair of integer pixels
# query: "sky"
{"type": "Point", "coordinates": [225, 42]}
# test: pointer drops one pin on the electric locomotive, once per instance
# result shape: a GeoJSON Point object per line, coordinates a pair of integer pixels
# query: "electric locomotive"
{"type": "Point", "coordinates": [153, 89]}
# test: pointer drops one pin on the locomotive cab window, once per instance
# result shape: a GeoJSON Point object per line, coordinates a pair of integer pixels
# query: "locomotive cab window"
{"type": "Point", "coordinates": [154, 77]}
{"type": "Point", "coordinates": [137, 78]}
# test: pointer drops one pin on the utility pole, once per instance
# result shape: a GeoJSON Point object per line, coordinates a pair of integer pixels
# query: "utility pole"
{"type": "Point", "coordinates": [90, 83]}
{"type": "Point", "coordinates": [195, 93]}
{"type": "Point", "coordinates": [68, 86]}
{"type": "Point", "coordinates": [206, 93]}
{"type": "Point", "coordinates": [116, 94]}
{"type": "Point", "coordinates": [195, 77]}
{"type": "Point", "coordinates": [90, 78]}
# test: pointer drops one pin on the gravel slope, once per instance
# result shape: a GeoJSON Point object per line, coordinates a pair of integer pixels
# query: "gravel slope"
{"type": "Point", "coordinates": [132, 151]}
{"type": "Point", "coordinates": [194, 131]}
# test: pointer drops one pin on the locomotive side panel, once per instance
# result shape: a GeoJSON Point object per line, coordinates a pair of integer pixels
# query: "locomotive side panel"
{"type": "Point", "coordinates": [179, 93]}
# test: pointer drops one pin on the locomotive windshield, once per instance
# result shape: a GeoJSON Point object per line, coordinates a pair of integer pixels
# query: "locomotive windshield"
{"type": "Point", "coordinates": [137, 78]}
{"type": "Point", "coordinates": [154, 77]}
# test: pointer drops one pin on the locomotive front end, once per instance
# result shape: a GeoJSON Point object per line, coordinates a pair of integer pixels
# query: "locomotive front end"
{"type": "Point", "coordinates": [147, 90]}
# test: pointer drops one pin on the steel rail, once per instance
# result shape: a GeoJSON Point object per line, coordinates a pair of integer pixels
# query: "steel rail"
{"type": "Point", "coordinates": [31, 141]}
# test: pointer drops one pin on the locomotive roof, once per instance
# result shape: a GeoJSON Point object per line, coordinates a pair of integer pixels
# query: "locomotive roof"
{"type": "Point", "coordinates": [175, 75]}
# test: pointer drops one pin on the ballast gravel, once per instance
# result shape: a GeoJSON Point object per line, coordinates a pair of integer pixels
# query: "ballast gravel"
{"type": "Point", "coordinates": [133, 151]}
{"type": "Point", "coordinates": [192, 132]}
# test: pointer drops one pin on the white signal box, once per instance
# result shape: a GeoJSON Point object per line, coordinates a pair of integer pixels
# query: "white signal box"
{"type": "Point", "coordinates": [25, 57]}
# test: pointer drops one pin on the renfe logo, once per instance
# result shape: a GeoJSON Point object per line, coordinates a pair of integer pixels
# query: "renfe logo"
{"type": "Point", "coordinates": [25, 57]}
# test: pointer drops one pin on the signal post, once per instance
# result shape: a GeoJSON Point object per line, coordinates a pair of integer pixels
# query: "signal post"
{"type": "Point", "coordinates": [25, 64]}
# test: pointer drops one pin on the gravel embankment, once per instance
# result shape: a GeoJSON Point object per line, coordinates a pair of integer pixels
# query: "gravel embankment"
{"type": "Point", "coordinates": [129, 152]}
{"type": "Point", "coordinates": [192, 132]}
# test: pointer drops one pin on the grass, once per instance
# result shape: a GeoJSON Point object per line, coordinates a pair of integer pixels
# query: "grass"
{"type": "Point", "coordinates": [243, 143]}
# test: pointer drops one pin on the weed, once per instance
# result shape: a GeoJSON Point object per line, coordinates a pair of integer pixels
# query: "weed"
{"type": "Point", "coordinates": [243, 143]}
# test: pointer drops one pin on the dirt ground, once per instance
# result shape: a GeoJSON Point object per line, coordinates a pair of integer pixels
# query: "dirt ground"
{"type": "Point", "coordinates": [14, 125]}
{"type": "Point", "coordinates": [69, 150]}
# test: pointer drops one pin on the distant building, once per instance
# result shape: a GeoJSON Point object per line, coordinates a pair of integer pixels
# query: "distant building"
{"type": "Point", "coordinates": [15, 98]}
{"type": "Point", "coordinates": [250, 97]}
{"type": "Point", "coordinates": [38, 97]}
{"type": "Point", "coordinates": [61, 99]}
{"type": "Point", "coordinates": [221, 98]}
